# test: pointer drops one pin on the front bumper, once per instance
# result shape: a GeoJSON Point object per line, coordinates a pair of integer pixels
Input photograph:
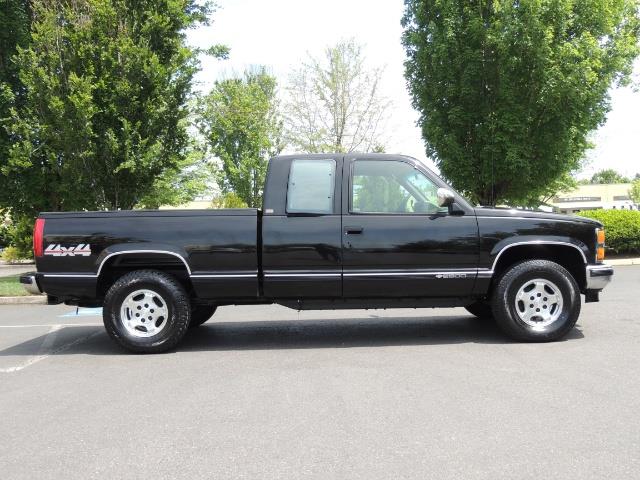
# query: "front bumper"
{"type": "Point", "coordinates": [30, 283]}
{"type": "Point", "coordinates": [598, 276]}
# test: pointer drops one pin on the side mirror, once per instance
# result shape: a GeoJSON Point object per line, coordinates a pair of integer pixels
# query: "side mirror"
{"type": "Point", "coordinates": [445, 197]}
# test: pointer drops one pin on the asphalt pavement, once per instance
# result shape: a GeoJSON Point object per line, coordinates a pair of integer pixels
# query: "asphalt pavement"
{"type": "Point", "coordinates": [267, 392]}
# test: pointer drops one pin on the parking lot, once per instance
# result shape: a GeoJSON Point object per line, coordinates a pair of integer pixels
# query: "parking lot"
{"type": "Point", "coordinates": [267, 392]}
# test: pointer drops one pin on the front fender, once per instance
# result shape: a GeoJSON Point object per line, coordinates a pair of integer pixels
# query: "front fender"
{"type": "Point", "coordinates": [505, 244]}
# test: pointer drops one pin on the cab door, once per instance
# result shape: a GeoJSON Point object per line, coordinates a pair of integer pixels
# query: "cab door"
{"type": "Point", "coordinates": [301, 228]}
{"type": "Point", "coordinates": [396, 241]}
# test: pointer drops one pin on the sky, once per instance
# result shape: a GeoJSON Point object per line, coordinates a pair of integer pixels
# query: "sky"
{"type": "Point", "coordinates": [280, 33]}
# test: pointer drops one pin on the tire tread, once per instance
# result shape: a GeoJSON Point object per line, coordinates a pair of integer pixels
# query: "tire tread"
{"type": "Point", "coordinates": [501, 309]}
{"type": "Point", "coordinates": [181, 309]}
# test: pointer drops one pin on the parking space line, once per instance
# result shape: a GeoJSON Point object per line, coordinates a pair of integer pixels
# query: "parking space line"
{"type": "Point", "coordinates": [53, 325]}
{"type": "Point", "coordinates": [83, 312]}
{"type": "Point", "coordinates": [46, 345]}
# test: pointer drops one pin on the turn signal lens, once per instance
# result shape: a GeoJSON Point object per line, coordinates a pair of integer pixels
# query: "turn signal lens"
{"type": "Point", "coordinates": [600, 244]}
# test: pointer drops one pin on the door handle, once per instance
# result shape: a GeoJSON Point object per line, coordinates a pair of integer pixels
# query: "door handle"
{"type": "Point", "coordinates": [353, 230]}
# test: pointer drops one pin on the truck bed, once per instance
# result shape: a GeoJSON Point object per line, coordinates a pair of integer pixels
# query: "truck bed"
{"type": "Point", "coordinates": [216, 249]}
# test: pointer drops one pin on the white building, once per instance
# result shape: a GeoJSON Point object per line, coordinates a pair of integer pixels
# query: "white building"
{"type": "Point", "coordinates": [593, 197]}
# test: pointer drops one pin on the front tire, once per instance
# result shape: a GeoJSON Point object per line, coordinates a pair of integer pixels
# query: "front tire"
{"type": "Point", "coordinates": [146, 311]}
{"type": "Point", "coordinates": [536, 301]}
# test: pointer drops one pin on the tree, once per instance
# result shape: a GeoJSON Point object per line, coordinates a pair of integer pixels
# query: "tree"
{"type": "Point", "coordinates": [334, 103]}
{"type": "Point", "coordinates": [377, 194]}
{"type": "Point", "coordinates": [228, 200]}
{"type": "Point", "coordinates": [634, 191]}
{"type": "Point", "coordinates": [15, 21]}
{"type": "Point", "coordinates": [608, 176]}
{"type": "Point", "coordinates": [240, 121]}
{"type": "Point", "coordinates": [565, 183]}
{"type": "Point", "coordinates": [180, 183]}
{"type": "Point", "coordinates": [508, 91]}
{"type": "Point", "coordinates": [103, 124]}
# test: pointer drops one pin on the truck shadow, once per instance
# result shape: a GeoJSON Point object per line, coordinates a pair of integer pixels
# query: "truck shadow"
{"type": "Point", "coordinates": [346, 333]}
{"type": "Point", "coordinates": [289, 334]}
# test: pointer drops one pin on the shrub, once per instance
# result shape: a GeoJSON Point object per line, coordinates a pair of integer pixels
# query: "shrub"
{"type": "Point", "coordinates": [10, 254]}
{"type": "Point", "coordinates": [622, 228]}
{"type": "Point", "coordinates": [21, 234]}
{"type": "Point", "coordinates": [16, 235]}
{"type": "Point", "coordinates": [4, 235]}
{"type": "Point", "coordinates": [228, 200]}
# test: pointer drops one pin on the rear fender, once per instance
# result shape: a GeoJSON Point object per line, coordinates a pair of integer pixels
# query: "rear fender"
{"type": "Point", "coordinates": [140, 249]}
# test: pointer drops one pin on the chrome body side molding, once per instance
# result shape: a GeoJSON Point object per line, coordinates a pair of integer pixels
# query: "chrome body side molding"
{"type": "Point", "coordinates": [225, 275]}
{"type": "Point", "coordinates": [70, 275]}
{"type": "Point", "coordinates": [444, 274]}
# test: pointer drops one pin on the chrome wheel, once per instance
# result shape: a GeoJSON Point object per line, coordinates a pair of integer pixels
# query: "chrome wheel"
{"type": "Point", "coordinates": [539, 303]}
{"type": "Point", "coordinates": [144, 313]}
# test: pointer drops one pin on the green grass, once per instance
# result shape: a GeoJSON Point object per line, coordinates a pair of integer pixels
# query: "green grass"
{"type": "Point", "coordinates": [11, 287]}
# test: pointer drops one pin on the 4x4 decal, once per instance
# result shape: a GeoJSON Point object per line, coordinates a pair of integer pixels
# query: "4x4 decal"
{"type": "Point", "coordinates": [57, 250]}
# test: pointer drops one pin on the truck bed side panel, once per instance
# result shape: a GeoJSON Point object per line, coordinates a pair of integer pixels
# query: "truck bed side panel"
{"type": "Point", "coordinates": [217, 248]}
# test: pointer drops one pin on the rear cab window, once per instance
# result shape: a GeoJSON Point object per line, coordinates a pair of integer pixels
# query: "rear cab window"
{"type": "Point", "coordinates": [311, 186]}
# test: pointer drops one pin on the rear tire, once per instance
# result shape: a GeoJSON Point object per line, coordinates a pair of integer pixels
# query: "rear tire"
{"type": "Point", "coordinates": [536, 301]}
{"type": "Point", "coordinates": [480, 309]}
{"type": "Point", "coordinates": [146, 311]}
{"type": "Point", "coordinates": [200, 314]}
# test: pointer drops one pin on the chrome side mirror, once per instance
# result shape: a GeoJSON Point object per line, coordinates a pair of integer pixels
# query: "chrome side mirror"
{"type": "Point", "coordinates": [445, 197]}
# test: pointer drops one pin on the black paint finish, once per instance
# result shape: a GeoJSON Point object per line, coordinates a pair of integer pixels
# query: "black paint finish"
{"type": "Point", "coordinates": [500, 227]}
{"type": "Point", "coordinates": [335, 260]}
{"type": "Point", "coordinates": [201, 242]}
{"type": "Point", "coordinates": [301, 254]}
{"type": "Point", "coordinates": [398, 249]}
{"type": "Point", "coordinates": [407, 255]}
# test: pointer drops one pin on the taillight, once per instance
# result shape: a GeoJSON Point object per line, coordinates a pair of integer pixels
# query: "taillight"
{"type": "Point", "coordinates": [599, 244]}
{"type": "Point", "coordinates": [38, 237]}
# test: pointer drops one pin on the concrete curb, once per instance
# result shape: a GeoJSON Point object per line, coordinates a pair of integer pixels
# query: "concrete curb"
{"type": "Point", "coordinates": [622, 261]}
{"type": "Point", "coordinates": [24, 300]}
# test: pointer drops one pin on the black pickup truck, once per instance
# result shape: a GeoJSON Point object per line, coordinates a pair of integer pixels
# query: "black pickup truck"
{"type": "Point", "coordinates": [336, 231]}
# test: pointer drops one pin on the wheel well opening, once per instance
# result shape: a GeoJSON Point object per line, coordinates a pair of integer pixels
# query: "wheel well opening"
{"type": "Point", "coordinates": [118, 265]}
{"type": "Point", "coordinates": [566, 256]}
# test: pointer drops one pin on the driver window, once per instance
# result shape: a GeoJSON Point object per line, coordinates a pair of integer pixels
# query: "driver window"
{"type": "Point", "coordinates": [382, 186]}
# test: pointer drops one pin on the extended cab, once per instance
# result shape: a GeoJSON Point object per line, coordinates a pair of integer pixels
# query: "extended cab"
{"type": "Point", "coordinates": [336, 231]}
